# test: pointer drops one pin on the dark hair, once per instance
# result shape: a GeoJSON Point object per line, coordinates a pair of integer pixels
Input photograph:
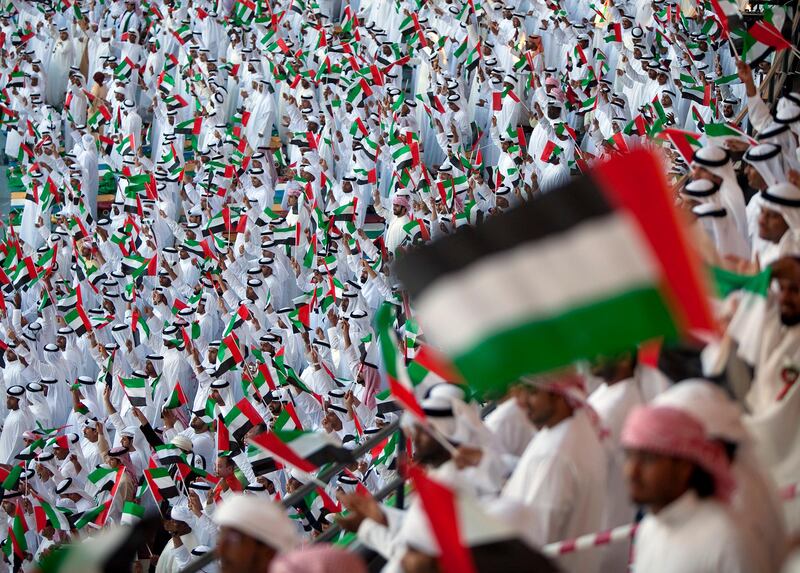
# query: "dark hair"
{"type": "Point", "coordinates": [99, 77]}
{"type": "Point", "coordinates": [702, 483]}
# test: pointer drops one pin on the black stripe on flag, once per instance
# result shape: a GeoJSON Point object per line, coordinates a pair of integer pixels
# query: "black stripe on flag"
{"type": "Point", "coordinates": [546, 215]}
{"type": "Point", "coordinates": [263, 466]}
{"type": "Point", "coordinates": [331, 454]}
{"type": "Point", "coordinates": [693, 95]}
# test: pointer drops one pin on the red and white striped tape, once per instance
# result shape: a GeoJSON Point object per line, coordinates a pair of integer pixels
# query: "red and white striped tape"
{"type": "Point", "coordinates": [615, 535]}
{"type": "Point", "coordinates": [624, 532]}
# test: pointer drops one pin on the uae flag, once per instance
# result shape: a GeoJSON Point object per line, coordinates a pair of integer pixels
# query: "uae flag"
{"type": "Point", "coordinates": [168, 454]}
{"type": "Point", "coordinates": [590, 269]}
{"type": "Point", "coordinates": [241, 418]}
{"type": "Point", "coordinates": [96, 515]}
{"type": "Point", "coordinates": [727, 12]}
{"type": "Point", "coordinates": [550, 150]}
{"type": "Point", "coordinates": [176, 399]}
{"type": "Point", "coordinates": [103, 478]}
{"type": "Point", "coordinates": [30, 452]}
{"type": "Point", "coordinates": [726, 130]}
{"type": "Point", "coordinates": [136, 265]}
{"type": "Point", "coordinates": [126, 146]}
{"type": "Point", "coordinates": [400, 384]}
{"type": "Point", "coordinates": [166, 83]}
{"type": "Point", "coordinates": [161, 484]}
{"type": "Point", "coordinates": [124, 69]}
{"type": "Point", "coordinates": [190, 126]}
{"type": "Point", "coordinates": [285, 235]}
{"type": "Point", "coordinates": [102, 115]}
{"type": "Point", "coordinates": [346, 212]}
{"type": "Point", "coordinates": [243, 11]}
{"type": "Point", "coordinates": [446, 514]}
{"type": "Point", "coordinates": [287, 419]}
{"type": "Point", "coordinates": [77, 319]}
{"type": "Point", "coordinates": [24, 273]}
{"type": "Point", "coordinates": [132, 513]}
{"type": "Point", "coordinates": [615, 33]}
{"type": "Point", "coordinates": [260, 461]}
{"type": "Point", "coordinates": [401, 154]}
{"type": "Point", "coordinates": [15, 541]}
{"type": "Point", "coordinates": [182, 34]}
{"type": "Point", "coordinates": [45, 513]}
{"type": "Point", "coordinates": [306, 451]}
{"type": "Point", "coordinates": [765, 36]}
{"type": "Point", "coordinates": [416, 231]}
{"type": "Point", "coordinates": [685, 142]}
{"type": "Point", "coordinates": [135, 390]}
{"type": "Point", "coordinates": [229, 355]}
{"type": "Point", "coordinates": [237, 319]}
{"type": "Point", "coordinates": [264, 380]}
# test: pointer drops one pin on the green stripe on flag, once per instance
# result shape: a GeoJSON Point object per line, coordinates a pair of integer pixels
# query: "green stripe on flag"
{"type": "Point", "coordinates": [538, 350]}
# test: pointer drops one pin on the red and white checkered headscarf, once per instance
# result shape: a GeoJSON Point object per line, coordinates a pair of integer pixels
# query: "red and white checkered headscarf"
{"type": "Point", "coordinates": [672, 432]}
{"type": "Point", "coordinates": [570, 386]}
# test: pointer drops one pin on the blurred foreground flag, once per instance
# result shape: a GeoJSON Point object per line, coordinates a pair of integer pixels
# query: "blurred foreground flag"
{"type": "Point", "coordinates": [591, 268]}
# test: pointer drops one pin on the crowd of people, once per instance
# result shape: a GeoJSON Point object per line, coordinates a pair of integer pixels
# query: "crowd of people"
{"type": "Point", "coordinates": [214, 196]}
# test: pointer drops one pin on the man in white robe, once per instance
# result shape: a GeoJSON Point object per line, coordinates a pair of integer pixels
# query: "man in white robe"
{"type": "Point", "coordinates": [561, 476]}
{"type": "Point", "coordinates": [17, 422]}
{"type": "Point", "coordinates": [89, 172]}
{"type": "Point", "coordinates": [613, 400]}
{"type": "Point", "coordinates": [396, 220]}
{"type": "Point", "coordinates": [684, 480]}
{"type": "Point", "coordinates": [61, 59]}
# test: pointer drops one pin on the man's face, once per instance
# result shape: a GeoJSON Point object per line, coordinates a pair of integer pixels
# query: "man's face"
{"type": "Point", "coordinates": [224, 468]}
{"type": "Point", "coordinates": [275, 408]}
{"type": "Point", "coordinates": [90, 434]}
{"type": "Point", "coordinates": [398, 210]}
{"type": "Point", "coordinates": [239, 553]}
{"type": "Point", "coordinates": [64, 36]}
{"type": "Point", "coordinates": [771, 225]}
{"type": "Point", "coordinates": [727, 111]}
{"type": "Point", "coordinates": [655, 480]}
{"type": "Point", "coordinates": [126, 442]}
{"type": "Point", "coordinates": [331, 422]}
{"type": "Point", "coordinates": [43, 473]}
{"type": "Point", "coordinates": [12, 403]}
{"type": "Point", "coordinates": [539, 405]}
{"type": "Point", "coordinates": [699, 172]}
{"type": "Point", "coordinates": [426, 449]}
{"type": "Point", "coordinates": [197, 424]}
{"type": "Point", "coordinates": [789, 301]}
{"type": "Point", "coordinates": [754, 179]}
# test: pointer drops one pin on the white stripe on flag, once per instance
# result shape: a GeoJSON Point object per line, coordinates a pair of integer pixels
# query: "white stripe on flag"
{"type": "Point", "coordinates": [596, 259]}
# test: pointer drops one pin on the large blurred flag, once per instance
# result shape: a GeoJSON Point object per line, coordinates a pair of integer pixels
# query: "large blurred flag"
{"type": "Point", "coordinates": [589, 269]}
